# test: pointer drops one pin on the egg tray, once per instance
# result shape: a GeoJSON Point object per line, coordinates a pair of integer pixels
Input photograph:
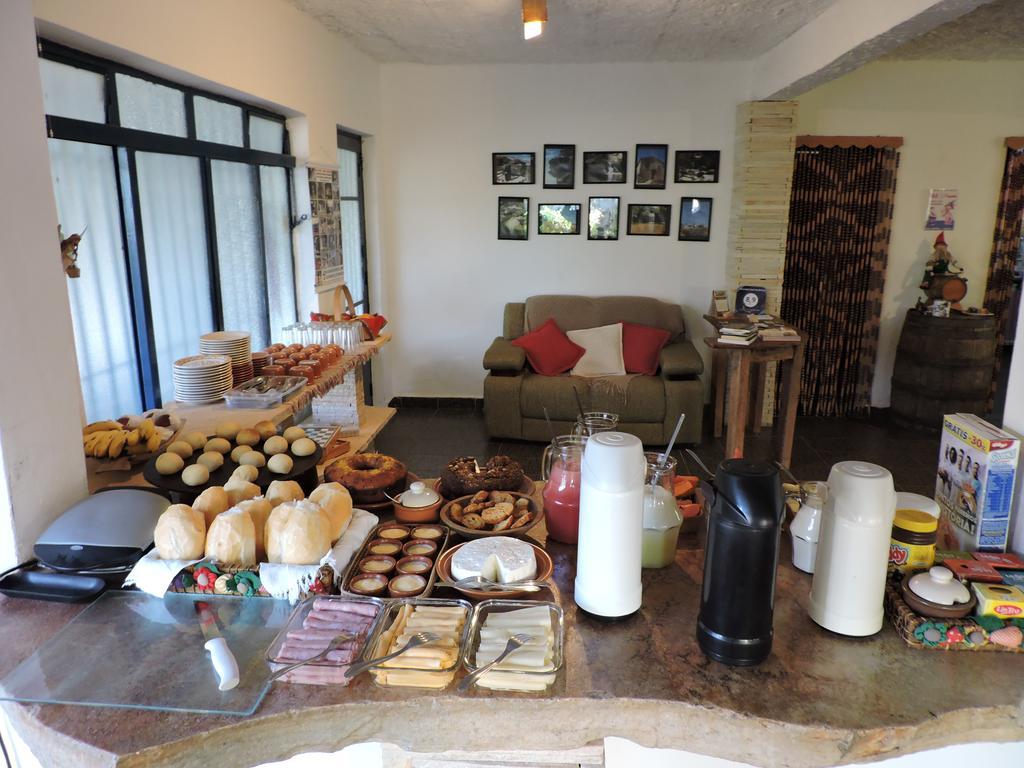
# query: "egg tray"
{"type": "Point", "coordinates": [353, 567]}
{"type": "Point", "coordinates": [209, 578]}
{"type": "Point", "coordinates": [971, 633]}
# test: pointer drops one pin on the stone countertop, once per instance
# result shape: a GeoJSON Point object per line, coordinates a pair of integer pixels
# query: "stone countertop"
{"type": "Point", "coordinates": [820, 699]}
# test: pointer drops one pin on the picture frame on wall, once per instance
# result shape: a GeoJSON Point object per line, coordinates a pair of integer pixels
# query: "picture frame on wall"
{"type": "Point", "coordinates": [606, 167]}
{"type": "Point", "coordinates": [695, 218]}
{"type": "Point", "coordinates": [513, 167]}
{"type": "Point", "coordinates": [603, 218]}
{"type": "Point", "coordinates": [646, 219]}
{"type": "Point", "coordinates": [697, 166]}
{"type": "Point", "coordinates": [559, 166]}
{"type": "Point", "coordinates": [651, 169]}
{"type": "Point", "coordinates": [513, 218]}
{"type": "Point", "coordinates": [558, 218]}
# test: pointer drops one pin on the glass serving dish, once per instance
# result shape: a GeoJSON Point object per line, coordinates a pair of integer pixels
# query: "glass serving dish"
{"type": "Point", "coordinates": [276, 390]}
{"type": "Point", "coordinates": [297, 621]}
{"type": "Point", "coordinates": [516, 679]}
{"type": "Point", "coordinates": [412, 671]}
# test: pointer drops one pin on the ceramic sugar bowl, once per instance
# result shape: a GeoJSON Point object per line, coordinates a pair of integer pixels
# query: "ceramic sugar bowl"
{"type": "Point", "coordinates": [937, 594]}
{"type": "Point", "coordinates": [419, 504]}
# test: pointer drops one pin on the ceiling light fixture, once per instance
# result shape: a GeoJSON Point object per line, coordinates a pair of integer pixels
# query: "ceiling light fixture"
{"type": "Point", "coordinates": [535, 13]}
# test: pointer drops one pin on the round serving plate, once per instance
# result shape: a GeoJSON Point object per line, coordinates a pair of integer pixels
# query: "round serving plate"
{"type": "Point", "coordinates": [300, 466]}
{"type": "Point", "coordinates": [201, 362]}
{"type": "Point", "coordinates": [545, 567]}
{"type": "Point", "coordinates": [526, 488]}
{"type": "Point", "coordinates": [536, 509]}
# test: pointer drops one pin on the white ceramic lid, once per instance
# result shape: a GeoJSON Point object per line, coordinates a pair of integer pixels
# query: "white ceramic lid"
{"type": "Point", "coordinates": [939, 586]}
{"type": "Point", "coordinates": [614, 462]}
{"type": "Point", "coordinates": [418, 495]}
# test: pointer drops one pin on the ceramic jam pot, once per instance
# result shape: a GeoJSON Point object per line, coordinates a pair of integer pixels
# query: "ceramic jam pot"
{"type": "Point", "coordinates": [419, 504]}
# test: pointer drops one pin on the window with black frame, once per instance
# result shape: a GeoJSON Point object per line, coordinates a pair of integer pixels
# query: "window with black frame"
{"type": "Point", "coordinates": [184, 198]}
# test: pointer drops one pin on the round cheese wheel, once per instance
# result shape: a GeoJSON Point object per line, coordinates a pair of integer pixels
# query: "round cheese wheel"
{"type": "Point", "coordinates": [181, 448]}
{"type": "Point", "coordinates": [293, 433]}
{"type": "Point", "coordinates": [232, 538]}
{"type": "Point", "coordinates": [280, 464]}
{"type": "Point", "coordinates": [195, 474]}
{"type": "Point", "coordinates": [240, 490]}
{"type": "Point", "coordinates": [297, 533]}
{"type": "Point", "coordinates": [259, 510]}
{"type": "Point", "coordinates": [169, 463]}
{"type": "Point", "coordinates": [212, 502]}
{"type": "Point", "coordinates": [275, 444]}
{"type": "Point", "coordinates": [246, 472]}
{"type": "Point", "coordinates": [211, 460]}
{"type": "Point", "coordinates": [338, 506]}
{"type": "Point", "coordinates": [180, 533]}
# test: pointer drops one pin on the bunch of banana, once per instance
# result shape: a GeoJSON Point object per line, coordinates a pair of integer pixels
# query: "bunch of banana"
{"type": "Point", "coordinates": [109, 439]}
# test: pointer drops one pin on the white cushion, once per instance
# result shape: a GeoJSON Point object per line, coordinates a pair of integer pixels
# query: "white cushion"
{"type": "Point", "coordinates": [603, 355]}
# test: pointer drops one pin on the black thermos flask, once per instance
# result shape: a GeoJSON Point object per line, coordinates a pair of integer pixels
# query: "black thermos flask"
{"type": "Point", "coordinates": [742, 551]}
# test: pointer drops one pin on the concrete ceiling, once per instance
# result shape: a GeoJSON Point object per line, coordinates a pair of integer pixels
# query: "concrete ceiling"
{"type": "Point", "coordinates": [994, 31]}
{"type": "Point", "coordinates": [578, 31]}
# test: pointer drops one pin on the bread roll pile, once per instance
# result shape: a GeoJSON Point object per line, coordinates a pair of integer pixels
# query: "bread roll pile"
{"type": "Point", "coordinates": [234, 525]}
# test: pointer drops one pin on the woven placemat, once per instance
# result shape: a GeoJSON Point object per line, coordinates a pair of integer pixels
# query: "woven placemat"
{"type": "Point", "coordinates": [971, 633]}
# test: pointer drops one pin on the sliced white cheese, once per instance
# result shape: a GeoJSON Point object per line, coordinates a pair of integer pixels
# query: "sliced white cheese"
{"type": "Point", "coordinates": [498, 558]}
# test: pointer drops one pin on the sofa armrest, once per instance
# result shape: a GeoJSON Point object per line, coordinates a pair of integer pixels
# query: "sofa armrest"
{"type": "Point", "coordinates": [503, 355]}
{"type": "Point", "coordinates": [681, 360]}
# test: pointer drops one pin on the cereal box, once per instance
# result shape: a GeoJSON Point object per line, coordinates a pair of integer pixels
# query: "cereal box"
{"type": "Point", "coordinates": [974, 484]}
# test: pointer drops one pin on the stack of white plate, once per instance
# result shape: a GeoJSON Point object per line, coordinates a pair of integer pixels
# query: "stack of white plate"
{"type": "Point", "coordinates": [201, 379]}
{"type": "Point", "coordinates": [234, 344]}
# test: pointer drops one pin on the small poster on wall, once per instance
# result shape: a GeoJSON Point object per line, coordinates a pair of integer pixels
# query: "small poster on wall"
{"type": "Point", "coordinates": [941, 209]}
{"type": "Point", "coordinates": [323, 200]}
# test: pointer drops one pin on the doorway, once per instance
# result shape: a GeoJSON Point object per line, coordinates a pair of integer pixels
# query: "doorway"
{"type": "Point", "coordinates": [351, 200]}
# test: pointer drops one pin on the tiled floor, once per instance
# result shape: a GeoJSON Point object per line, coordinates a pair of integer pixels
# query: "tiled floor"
{"type": "Point", "coordinates": [428, 438]}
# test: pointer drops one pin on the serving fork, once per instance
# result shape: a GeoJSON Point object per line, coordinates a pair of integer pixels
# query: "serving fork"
{"type": "Point", "coordinates": [420, 638]}
{"type": "Point", "coordinates": [334, 645]}
{"type": "Point", "coordinates": [515, 642]}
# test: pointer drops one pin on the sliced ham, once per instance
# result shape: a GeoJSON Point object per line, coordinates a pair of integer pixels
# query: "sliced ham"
{"type": "Point", "coordinates": [345, 606]}
{"type": "Point", "coordinates": [311, 675]}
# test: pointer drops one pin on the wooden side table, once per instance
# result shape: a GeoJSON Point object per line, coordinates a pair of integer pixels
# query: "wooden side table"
{"type": "Point", "coordinates": [733, 363]}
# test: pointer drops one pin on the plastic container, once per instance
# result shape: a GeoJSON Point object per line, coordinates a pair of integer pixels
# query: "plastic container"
{"type": "Point", "coordinates": [912, 545]}
{"type": "Point", "coordinates": [661, 513]}
{"type": "Point", "coordinates": [281, 388]}
{"type": "Point", "coordinates": [299, 616]}
{"type": "Point", "coordinates": [427, 677]}
{"type": "Point", "coordinates": [518, 680]}
{"type": "Point", "coordinates": [806, 526]}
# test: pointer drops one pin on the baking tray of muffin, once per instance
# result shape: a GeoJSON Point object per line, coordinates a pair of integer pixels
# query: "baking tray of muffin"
{"type": "Point", "coordinates": [393, 563]}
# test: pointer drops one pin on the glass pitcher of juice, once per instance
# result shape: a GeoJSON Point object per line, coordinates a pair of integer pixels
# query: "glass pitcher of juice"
{"type": "Point", "coordinates": [592, 422]}
{"type": "Point", "coordinates": [561, 465]}
{"type": "Point", "coordinates": [661, 513]}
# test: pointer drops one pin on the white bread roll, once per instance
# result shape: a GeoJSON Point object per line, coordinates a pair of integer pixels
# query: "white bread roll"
{"type": "Point", "coordinates": [259, 510]}
{"type": "Point", "coordinates": [232, 538]}
{"type": "Point", "coordinates": [337, 505]}
{"type": "Point", "coordinates": [180, 533]}
{"type": "Point", "coordinates": [280, 491]}
{"type": "Point", "coordinates": [240, 490]}
{"type": "Point", "coordinates": [211, 503]}
{"type": "Point", "coordinates": [298, 533]}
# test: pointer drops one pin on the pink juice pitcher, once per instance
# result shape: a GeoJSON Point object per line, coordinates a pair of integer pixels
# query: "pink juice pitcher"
{"type": "Point", "coordinates": [560, 467]}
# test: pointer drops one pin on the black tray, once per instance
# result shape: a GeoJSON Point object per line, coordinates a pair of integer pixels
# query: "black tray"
{"type": "Point", "coordinates": [56, 587]}
{"type": "Point", "coordinates": [174, 483]}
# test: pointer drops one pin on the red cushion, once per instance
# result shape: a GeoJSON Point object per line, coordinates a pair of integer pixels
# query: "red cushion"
{"type": "Point", "coordinates": [549, 350]}
{"type": "Point", "coordinates": [641, 346]}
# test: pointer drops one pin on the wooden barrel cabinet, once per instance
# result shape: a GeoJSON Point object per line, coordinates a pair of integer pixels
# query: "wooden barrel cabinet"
{"type": "Point", "coordinates": [943, 365]}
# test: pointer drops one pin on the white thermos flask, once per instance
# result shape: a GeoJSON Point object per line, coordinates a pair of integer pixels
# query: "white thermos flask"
{"type": "Point", "coordinates": [611, 525]}
{"type": "Point", "coordinates": [848, 590]}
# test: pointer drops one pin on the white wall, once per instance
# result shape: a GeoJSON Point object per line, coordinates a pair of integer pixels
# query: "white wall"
{"type": "Point", "coordinates": [42, 469]}
{"type": "Point", "coordinates": [449, 274]}
{"type": "Point", "coordinates": [954, 117]}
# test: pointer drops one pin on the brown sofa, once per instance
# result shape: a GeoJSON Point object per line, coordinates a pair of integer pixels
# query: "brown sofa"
{"type": "Point", "coordinates": [515, 396]}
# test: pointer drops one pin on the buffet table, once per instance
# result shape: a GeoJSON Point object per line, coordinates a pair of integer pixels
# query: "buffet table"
{"type": "Point", "coordinates": [819, 700]}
